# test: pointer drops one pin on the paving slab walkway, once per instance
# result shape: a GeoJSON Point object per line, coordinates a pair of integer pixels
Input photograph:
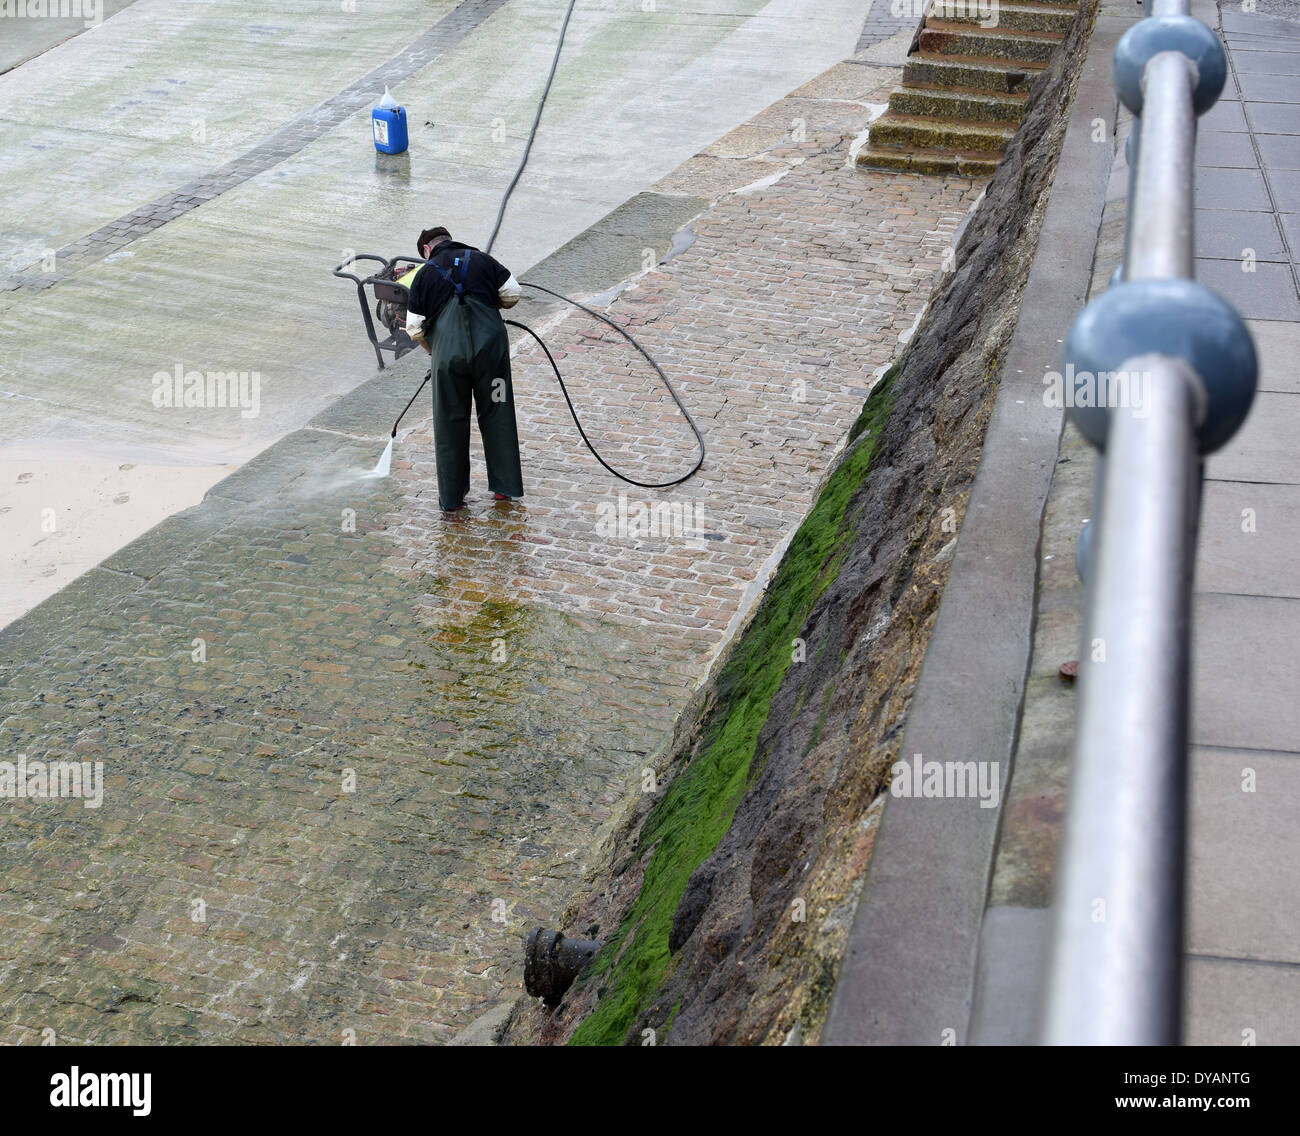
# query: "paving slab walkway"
{"type": "Point", "coordinates": [1243, 967]}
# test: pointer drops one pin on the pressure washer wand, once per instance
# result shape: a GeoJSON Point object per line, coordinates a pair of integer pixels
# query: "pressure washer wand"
{"type": "Point", "coordinates": [427, 376]}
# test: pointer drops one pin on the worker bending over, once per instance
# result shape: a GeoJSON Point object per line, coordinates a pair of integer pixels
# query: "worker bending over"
{"type": "Point", "coordinates": [454, 314]}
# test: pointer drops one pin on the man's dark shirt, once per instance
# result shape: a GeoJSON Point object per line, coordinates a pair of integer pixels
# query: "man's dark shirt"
{"type": "Point", "coordinates": [430, 291]}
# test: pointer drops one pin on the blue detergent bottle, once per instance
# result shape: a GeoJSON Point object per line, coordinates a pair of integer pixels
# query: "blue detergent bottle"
{"type": "Point", "coordinates": [388, 124]}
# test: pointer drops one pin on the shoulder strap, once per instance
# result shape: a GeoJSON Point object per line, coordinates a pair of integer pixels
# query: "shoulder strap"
{"type": "Point", "coordinates": [459, 265]}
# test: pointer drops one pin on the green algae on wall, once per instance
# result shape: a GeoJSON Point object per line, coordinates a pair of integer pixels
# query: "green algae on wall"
{"type": "Point", "coordinates": [686, 825]}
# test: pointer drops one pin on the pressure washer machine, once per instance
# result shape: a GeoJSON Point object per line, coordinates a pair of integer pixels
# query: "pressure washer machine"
{"type": "Point", "coordinates": [391, 291]}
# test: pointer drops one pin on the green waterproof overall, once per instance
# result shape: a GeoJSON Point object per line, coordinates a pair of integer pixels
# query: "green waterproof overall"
{"type": "Point", "coordinates": [471, 358]}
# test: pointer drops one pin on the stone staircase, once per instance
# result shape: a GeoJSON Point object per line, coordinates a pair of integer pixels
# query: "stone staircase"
{"type": "Point", "coordinates": [964, 86]}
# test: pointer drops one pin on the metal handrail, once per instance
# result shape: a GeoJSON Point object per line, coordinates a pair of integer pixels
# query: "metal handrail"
{"type": "Point", "coordinates": [1116, 968]}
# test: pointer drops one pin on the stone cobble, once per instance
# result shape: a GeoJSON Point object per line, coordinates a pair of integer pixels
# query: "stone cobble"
{"type": "Point", "coordinates": [771, 325]}
{"type": "Point", "coordinates": [482, 756]}
{"type": "Point", "coordinates": [353, 749]}
{"type": "Point", "coordinates": [886, 18]}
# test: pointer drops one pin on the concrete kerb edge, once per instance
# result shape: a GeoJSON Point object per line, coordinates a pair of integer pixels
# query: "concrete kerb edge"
{"type": "Point", "coordinates": [909, 970]}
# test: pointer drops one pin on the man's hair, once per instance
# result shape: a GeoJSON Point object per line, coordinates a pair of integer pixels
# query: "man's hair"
{"type": "Point", "coordinates": [431, 235]}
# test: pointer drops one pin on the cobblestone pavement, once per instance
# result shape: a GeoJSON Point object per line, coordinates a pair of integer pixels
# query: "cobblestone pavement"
{"type": "Point", "coordinates": [353, 749]}
{"type": "Point", "coordinates": [771, 325]}
{"type": "Point", "coordinates": [887, 18]}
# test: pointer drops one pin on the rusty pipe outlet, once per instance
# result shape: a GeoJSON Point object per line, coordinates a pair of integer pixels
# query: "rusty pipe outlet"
{"type": "Point", "coordinates": [552, 962]}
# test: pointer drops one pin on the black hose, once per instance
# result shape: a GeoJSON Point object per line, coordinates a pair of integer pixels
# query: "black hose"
{"type": "Point", "coordinates": [649, 358]}
{"type": "Point", "coordinates": [541, 105]}
{"type": "Point", "coordinates": [427, 376]}
{"type": "Point", "coordinates": [496, 228]}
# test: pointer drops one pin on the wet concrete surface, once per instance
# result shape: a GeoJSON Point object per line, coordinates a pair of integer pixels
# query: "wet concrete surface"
{"type": "Point", "coordinates": [26, 38]}
{"type": "Point", "coordinates": [125, 131]}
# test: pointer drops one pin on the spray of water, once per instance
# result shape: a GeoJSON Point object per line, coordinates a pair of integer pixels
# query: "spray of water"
{"type": "Point", "coordinates": [385, 462]}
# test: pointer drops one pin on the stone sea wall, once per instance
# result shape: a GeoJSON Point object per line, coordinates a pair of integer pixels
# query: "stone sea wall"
{"type": "Point", "coordinates": [725, 898]}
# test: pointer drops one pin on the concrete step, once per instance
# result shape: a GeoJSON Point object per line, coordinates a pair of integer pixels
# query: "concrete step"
{"type": "Point", "coordinates": [1008, 16]}
{"type": "Point", "coordinates": [936, 71]}
{"type": "Point", "coordinates": [958, 103]}
{"type": "Point", "coordinates": [968, 41]}
{"type": "Point", "coordinates": [893, 130]}
{"type": "Point", "coordinates": [919, 161]}
{"type": "Point", "coordinates": [964, 92]}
